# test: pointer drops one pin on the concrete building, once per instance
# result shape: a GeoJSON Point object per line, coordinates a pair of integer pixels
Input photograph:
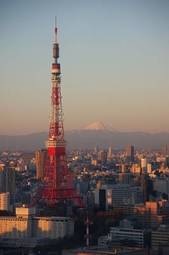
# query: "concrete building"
{"type": "Point", "coordinates": [102, 156]}
{"type": "Point", "coordinates": [94, 162]}
{"type": "Point", "coordinates": [120, 194]}
{"type": "Point", "coordinates": [149, 168]}
{"type": "Point", "coordinates": [10, 180]}
{"type": "Point", "coordinates": [153, 217]}
{"type": "Point", "coordinates": [135, 169]}
{"type": "Point", "coordinates": [40, 158]}
{"type": "Point", "coordinates": [130, 153]}
{"type": "Point", "coordinates": [160, 237]}
{"type": "Point", "coordinates": [7, 181]}
{"type": "Point", "coordinates": [124, 194]}
{"type": "Point", "coordinates": [143, 163]}
{"type": "Point", "coordinates": [117, 195]}
{"type": "Point", "coordinates": [5, 201]}
{"type": "Point", "coordinates": [125, 178]}
{"type": "Point", "coordinates": [133, 237]}
{"type": "Point", "coordinates": [103, 198]}
{"type": "Point", "coordinates": [123, 168]}
{"type": "Point", "coordinates": [53, 227]}
{"type": "Point", "coordinates": [161, 184]}
{"type": "Point", "coordinates": [26, 225]}
{"type": "Point", "coordinates": [2, 178]}
{"type": "Point", "coordinates": [109, 154]}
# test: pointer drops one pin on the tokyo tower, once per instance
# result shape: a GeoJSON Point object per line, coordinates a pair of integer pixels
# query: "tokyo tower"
{"type": "Point", "coordinates": [58, 180]}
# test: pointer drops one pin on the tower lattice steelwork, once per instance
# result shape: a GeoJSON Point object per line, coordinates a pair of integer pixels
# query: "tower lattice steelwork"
{"type": "Point", "coordinates": [58, 181]}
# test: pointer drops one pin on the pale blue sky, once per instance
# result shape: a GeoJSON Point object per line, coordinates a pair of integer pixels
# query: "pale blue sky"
{"type": "Point", "coordinates": [114, 56]}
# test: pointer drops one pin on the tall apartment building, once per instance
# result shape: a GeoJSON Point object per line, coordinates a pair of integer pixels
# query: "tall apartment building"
{"type": "Point", "coordinates": [143, 163]}
{"type": "Point", "coordinates": [130, 153]}
{"type": "Point", "coordinates": [5, 201]}
{"type": "Point", "coordinates": [10, 180]}
{"type": "Point", "coordinates": [109, 154]}
{"type": "Point", "coordinates": [102, 155]}
{"type": "Point", "coordinates": [40, 158]}
{"type": "Point", "coordinates": [7, 181]}
{"type": "Point", "coordinates": [2, 178]}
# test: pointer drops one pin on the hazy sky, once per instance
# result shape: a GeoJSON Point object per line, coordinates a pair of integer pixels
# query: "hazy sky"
{"type": "Point", "coordinates": [114, 56]}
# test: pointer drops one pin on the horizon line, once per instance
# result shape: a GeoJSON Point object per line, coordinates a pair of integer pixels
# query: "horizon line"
{"type": "Point", "coordinates": [85, 130]}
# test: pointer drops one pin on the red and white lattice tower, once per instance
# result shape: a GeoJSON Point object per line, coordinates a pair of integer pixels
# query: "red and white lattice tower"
{"type": "Point", "coordinates": [58, 182]}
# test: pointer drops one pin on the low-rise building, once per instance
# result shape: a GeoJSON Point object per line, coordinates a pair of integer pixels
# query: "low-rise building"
{"type": "Point", "coordinates": [160, 237]}
{"type": "Point", "coordinates": [130, 236]}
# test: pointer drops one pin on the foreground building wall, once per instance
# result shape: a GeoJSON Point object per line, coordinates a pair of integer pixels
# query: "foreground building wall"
{"type": "Point", "coordinates": [53, 227]}
{"type": "Point", "coordinates": [26, 225]}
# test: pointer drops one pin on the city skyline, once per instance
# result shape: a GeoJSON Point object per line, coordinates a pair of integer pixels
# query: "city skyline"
{"type": "Point", "coordinates": [114, 58]}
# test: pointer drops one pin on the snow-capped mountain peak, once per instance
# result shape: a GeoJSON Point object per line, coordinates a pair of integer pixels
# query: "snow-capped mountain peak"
{"type": "Point", "coordinates": [98, 125]}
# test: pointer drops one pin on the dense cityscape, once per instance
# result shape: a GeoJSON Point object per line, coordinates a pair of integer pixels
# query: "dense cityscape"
{"type": "Point", "coordinates": [125, 199]}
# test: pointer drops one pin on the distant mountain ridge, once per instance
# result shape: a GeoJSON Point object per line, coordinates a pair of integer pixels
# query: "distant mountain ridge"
{"type": "Point", "coordinates": [29, 142]}
{"type": "Point", "coordinates": [83, 139]}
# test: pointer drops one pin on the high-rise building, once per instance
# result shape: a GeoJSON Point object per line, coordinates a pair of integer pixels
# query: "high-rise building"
{"type": "Point", "coordinates": [165, 150]}
{"type": "Point", "coordinates": [7, 180]}
{"type": "Point", "coordinates": [149, 168]}
{"type": "Point", "coordinates": [2, 178]}
{"type": "Point", "coordinates": [40, 158]}
{"type": "Point", "coordinates": [144, 165]}
{"type": "Point", "coordinates": [123, 168]}
{"type": "Point", "coordinates": [102, 156]}
{"type": "Point", "coordinates": [130, 153]}
{"type": "Point", "coordinates": [109, 154]}
{"type": "Point", "coordinates": [10, 180]}
{"type": "Point", "coordinates": [144, 181]}
{"type": "Point", "coordinates": [103, 198]}
{"type": "Point", "coordinates": [5, 201]}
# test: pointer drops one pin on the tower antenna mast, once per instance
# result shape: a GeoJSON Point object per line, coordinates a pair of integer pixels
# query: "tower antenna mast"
{"type": "Point", "coordinates": [55, 29]}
